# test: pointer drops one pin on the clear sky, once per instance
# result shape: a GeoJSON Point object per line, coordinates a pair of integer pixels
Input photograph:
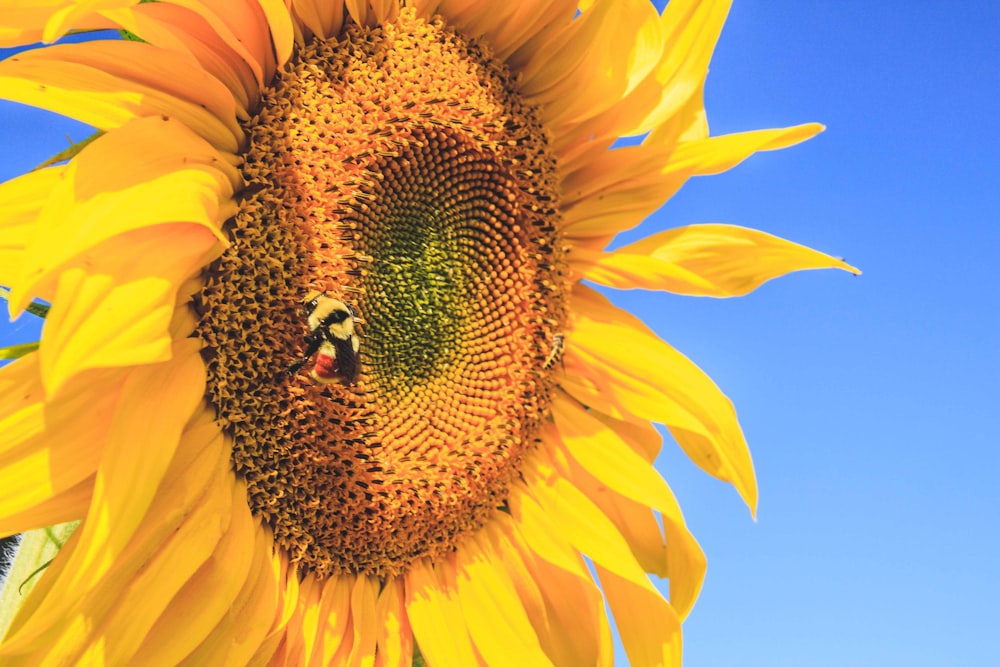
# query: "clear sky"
{"type": "Point", "coordinates": [870, 403]}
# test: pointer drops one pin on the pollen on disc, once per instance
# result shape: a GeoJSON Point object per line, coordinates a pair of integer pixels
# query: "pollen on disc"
{"type": "Point", "coordinates": [397, 170]}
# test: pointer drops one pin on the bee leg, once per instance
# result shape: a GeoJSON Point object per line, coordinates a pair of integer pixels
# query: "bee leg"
{"type": "Point", "coordinates": [313, 342]}
{"type": "Point", "coordinates": [297, 366]}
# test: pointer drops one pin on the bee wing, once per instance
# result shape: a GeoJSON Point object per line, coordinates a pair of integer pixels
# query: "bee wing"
{"type": "Point", "coordinates": [347, 358]}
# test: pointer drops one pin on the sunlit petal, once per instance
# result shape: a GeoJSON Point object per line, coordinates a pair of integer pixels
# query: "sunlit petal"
{"type": "Point", "coordinates": [703, 260]}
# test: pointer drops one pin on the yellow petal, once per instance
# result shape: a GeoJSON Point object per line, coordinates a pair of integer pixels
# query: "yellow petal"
{"type": "Point", "coordinates": [279, 593]}
{"type": "Point", "coordinates": [427, 8]}
{"type": "Point", "coordinates": [24, 396]}
{"type": "Point", "coordinates": [499, 531]}
{"type": "Point", "coordinates": [617, 190]}
{"type": "Point", "coordinates": [538, 532]}
{"type": "Point", "coordinates": [606, 192]}
{"type": "Point", "coordinates": [532, 23]}
{"type": "Point", "coordinates": [395, 639]}
{"type": "Point", "coordinates": [21, 201]}
{"type": "Point", "coordinates": [649, 627]}
{"type": "Point", "coordinates": [578, 630]}
{"type": "Point", "coordinates": [466, 17]}
{"type": "Point", "coordinates": [180, 30]}
{"type": "Point", "coordinates": [306, 630]}
{"type": "Point", "coordinates": [704, 260]}
{"type": "Point", "coordinates": [119, 551]}
{"type": "Point", "coordinates": [637, 523]}
{"type": "Point", "coordinates": [611, 47]}
{"type": "Point", "coordinates": [563, 510]}
{"type": "Point", "coordinates": [385, 10]}
{"type": "Point", "coordinates": [192, 616]}
{"type": "Point", "coordinates": [322, 18]}
{"type": "Point", "coordinates": [333, 635]}
{"type": "Point", "coordinates": [609, 460]}
{"type": "Point", "coordinates": [626, 271]}
{"type": "Point", "coordinates": [119, 313]}
{"type": "Point", "coordinates": [251, 631]}
{"type": "Point", "coordinates": [689, 123]}
{"type": "Point", "coordinates": [691, 29]}
{"type": "Point", "coordinates": [575, 519]}
{"type": "Point", "coordinates": [642, 437]}
{"type": "Point", "coordinates": [714, 155]}
{"type": "Point", "coordinates": [47, 449]}
{"type": "Point", "coordinates": [436, 616]}
{"type": "Point", "coordinates": [320, 630]}
{"type": "Point", "coordinates": [241, 629]}
{"type": "Point", "coordinates": [670, 100]}
{"type": "Point", "coordinates": [108, 83]}
{"type": "Point", "coordinates": [129, 477]}
{"type": "Point", "coordinates": [358, 10]}
{"type": "Point", "coordinates": [61, 507]}
{"type": "Point", "coordinates": [41, 589]}
{"type": "Point", "coordinates": [48, 20]}
{"type": "Point", "coordinates": [150, 173]}
{"type": "Point", "coordinates": [372, 12]}
{"type": "Point", "coordinates": [244, 29]}
{"type": "Point", "coordinates": [279, 22]}
{"type": "Point", "coordinates": [142, 597]}
{"type": "Point", "coordinates": [495, 616]}
{"type": "Point", "coordinates": [631, 371]}
{"type": "Point", "coordinates": [604, 172]}
{"type": "Point", "coordinates": [363, 602]}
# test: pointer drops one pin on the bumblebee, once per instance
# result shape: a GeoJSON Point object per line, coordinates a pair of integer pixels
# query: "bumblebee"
{"type": "Point", "coordinates": [556, 351]}
{"type": "Point", "coordinates": [332, 339]}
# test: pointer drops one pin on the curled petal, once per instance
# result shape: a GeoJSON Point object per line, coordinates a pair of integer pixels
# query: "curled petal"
{"type": "Point", "coordinates": [632, 372]}
{"type": "Point", "coordinates": [610, 461]}
{"type": "Point", "coordinates": [714, 155]}
{"type": "Point", "coordinates": [21, 202]}
{"type": "Point", "coordinates": [569, 92]}
{"type": "Point", "coordinates": [650, 628]}
{"type": "Point", "coordinates": [48, 20]}
{"type": "Point", "coordinates": [497, 620]}
{"type": "Point", "coordinates": [150, 173]}
{"type": "Point", "coordinates": [119, 312]}
{"type": "Point", "coordinates": [703, 260]}
{"type": "Point", "coordinates": [108, 83]}
{"type": "Point", "coordinates": [691, 29]}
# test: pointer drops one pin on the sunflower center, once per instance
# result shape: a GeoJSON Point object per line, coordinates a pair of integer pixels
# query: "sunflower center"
{"type": "Point", "coordinates": [396, 170]}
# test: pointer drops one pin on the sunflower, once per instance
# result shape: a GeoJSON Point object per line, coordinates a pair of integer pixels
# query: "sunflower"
{"type": "Point", "coordinates": [322, 380]}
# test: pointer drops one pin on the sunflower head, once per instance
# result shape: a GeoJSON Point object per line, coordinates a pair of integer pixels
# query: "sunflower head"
{"type": "Point", "coordinates": [396, 168]}
{"type": "Point", "coordinates": [320, 378]}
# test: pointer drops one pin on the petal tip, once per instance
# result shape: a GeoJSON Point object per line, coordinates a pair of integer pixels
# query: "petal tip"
{"type": "Point", "coordinates": [847, 267]}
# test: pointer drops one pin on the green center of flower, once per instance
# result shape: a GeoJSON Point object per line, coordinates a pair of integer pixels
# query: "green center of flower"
{"type": "Point", "coordinates": [397, 171]}
{"type": "Point", "coordinates": [435, 256]}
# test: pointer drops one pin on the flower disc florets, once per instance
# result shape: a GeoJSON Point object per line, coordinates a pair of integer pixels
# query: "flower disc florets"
{"type": "Point", "coordinates": [396, 170]}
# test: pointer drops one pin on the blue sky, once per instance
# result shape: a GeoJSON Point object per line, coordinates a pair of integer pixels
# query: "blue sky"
{"type": "Point", "coordinates": [869, 403]}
